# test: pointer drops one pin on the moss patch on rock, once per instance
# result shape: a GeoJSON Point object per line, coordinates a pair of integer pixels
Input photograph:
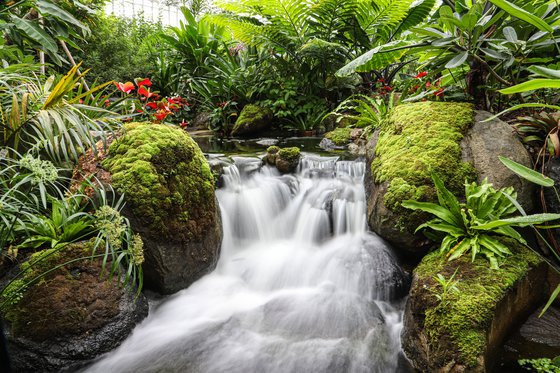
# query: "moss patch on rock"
{"type": "Point", "coordinates": [289, 154]}
{"type": "Point", "coordinates": [340, 136]}
{"type": "Point", "coordinates": [416, 140]}
{"type": "Point", "coordinates": [287, 159]}
{"type": "Point", "coordinates": [252, 119]}
{"type": "Point", "coordinates": [68, 301]}
{"type": "Point", "coordinates": [463, 318]}
{"type": "Point", "coordinates": [166, 180]}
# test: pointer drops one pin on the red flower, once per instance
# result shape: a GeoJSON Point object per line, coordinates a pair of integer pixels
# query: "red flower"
{"type": "Point", "coordinates": [175, 101]}
{"type": "Point", "coordinates": [107, 102]}
{"type": "Point", "coordinates": [428, 84]}
{"type": "Point", "coordinates": [145, 92]}
{"type": "Point", "coordinates": [81, 101]}
{"type": "Point", "coordinates": [421, 75]}
{"type": "Point", "coordinates": [140, 110]}
{"type": "Point", "coordinates": [184, 124]}
{"type": "Point", "coordinates": [151, 105]}
{"type": "Point", "coordinates": [439, 92]}
{"type": "Point", "coordinates": [161, 114]}
{"type": "Point", "coordinates": [125, 87]}
{"type": "Point", "coordinates": [145, 82]}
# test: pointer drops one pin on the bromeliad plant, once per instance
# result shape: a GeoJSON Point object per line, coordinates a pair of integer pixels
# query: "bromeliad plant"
{"type": "Point", "coordinates": [476, 225]}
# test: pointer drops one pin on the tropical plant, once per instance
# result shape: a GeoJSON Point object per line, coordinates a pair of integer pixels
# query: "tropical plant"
{"type": "Point", "coordinates": [476, 225]}
{"type": "Point", "coordinates": [540, 130]}
{"type": "Point", "coordinates": [312, 40]}
{"type": "Point", "coordinates": [119, 49]}
{"type": "Point", "coordinates": [542, 365]}
{"type": "Point", "coordinates": [37, 114]}
{"type": "Point", "coordinates": [545, 182]}
{"type": "Point", "coordinates": [484, 44]}
{"type": "Point", "coordinates": [68, 216]}
{"type": "Point", "coordinates": [43, 25]}
{"type": "Point", "coordinates": [364, 111]}
{"type": "Point", "coordinates": [448, 286]}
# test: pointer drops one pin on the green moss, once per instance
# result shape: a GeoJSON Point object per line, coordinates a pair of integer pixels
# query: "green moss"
{"type": "Point", "coordinates": [417, 139]}
{"type": "Point", "coordinates": [252, 115]}
{"type": "Point", "coordinates": [290, 154]}
{"type": "Point", "coordinates": [60, 293]}
{"type": "Point", "coordinates": [465, 316]}
{"type": "Point", "coordinates": [340, 136]}
{"type": "Point", "coordinates": [165, 178]}
{"type": "Point", "coordinates": [273, 149]}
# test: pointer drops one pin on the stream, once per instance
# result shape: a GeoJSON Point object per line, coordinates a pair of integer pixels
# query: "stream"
{"type": "Point", "coordinates": [301, 284]}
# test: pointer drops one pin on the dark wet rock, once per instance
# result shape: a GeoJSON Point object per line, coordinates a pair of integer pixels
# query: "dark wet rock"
{"type": "Point", "coordinates": [538, 337]}
{"type": "Point", "coordinates": [72, 316]}
{"type": "Point", "coordinates": [391, 282]}
{"type": "Point", "coordinates": [252, 119]}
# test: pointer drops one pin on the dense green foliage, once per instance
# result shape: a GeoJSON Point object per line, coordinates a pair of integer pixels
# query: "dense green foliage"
{"type": "Point", "coordinates": [119, 49]}
{"type": "Point", "coordinates": [397, 66]}
{"type": "Point", "coordinates": [475, 225]}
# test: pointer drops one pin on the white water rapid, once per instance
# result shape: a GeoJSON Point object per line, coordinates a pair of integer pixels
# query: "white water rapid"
{"type": "Point", "coordinates": [301, 285]}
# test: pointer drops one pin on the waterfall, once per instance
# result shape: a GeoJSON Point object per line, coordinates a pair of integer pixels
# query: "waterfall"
{"type": "Point", "coordinates": [301, 285]}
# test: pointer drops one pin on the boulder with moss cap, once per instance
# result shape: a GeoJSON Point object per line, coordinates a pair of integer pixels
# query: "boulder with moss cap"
{"type": "Point", "coordinates": [449, 139]}
{"type": "Point", "coordinates": [252, 119]}
{"type": "Point", "coordinates": [463, 329]}
{"type": "Point", "coordinates": [287, 159]}
{"type": "Point", "coordinates": [72, 315]}
{"type": "Point", "coordinates": [170, 201]}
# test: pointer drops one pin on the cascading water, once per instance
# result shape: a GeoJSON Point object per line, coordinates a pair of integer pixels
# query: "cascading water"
{"type": "Point", "coordinates": [301, 285]}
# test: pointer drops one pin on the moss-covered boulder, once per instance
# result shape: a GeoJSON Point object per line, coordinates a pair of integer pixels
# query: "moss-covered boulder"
{"type": "Point", "coordinates": [169, 191]}
{"type": "Point", "coordinates": [287, 159]}
{"type": "Point", "coordinates": [252, 120]}
{"type": "Point", "coordinates": [70, 316]}
{"type": "Point", "coordinates": [340, 136]}
{"type": "Point", "coordinates": [426, 137]}
{"type": "Point", "coordinates": [461, 330]}
{"type": "Point", "coordinates": [271, 153]}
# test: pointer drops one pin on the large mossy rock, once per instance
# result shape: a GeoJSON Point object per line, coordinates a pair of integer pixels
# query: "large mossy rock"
{"type": "Point", "coordinates": [252, 120]}
{"type": "Point", "coordinates": [72, 315]}
{"type": "Point", "coordinates": [463, 331]}
{"type": "Point", "coordinates": [169, 191]}
{"type": "Point", "coordinates": [444, 138]}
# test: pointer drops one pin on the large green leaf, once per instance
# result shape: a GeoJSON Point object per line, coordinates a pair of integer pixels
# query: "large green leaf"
{"type": "Point", "coordinates": [522, 14]}
{"type": "Point", "coordinates": [457, 61]}
{"type": "Point", "coordinates": [527, 173]}
{"type": "Point", "coordinates": [545, 71]}
{"type": "Point", "coordinates": [434, 209]}
{"type": "Point", "coordinates": [520, 221]}
{"type": "Point", "coordinates": [33, 31]}
{"type": "Point", "coordinates": [445, 197]}
{"type": "Point", "coordinates": [417, 14]}
{"type": "Point", "coordinates": [531, 85]}
{"type": "Point", "coordinates": [377, 58]}
{"type": "Point", "coordinates": [47, 7]}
